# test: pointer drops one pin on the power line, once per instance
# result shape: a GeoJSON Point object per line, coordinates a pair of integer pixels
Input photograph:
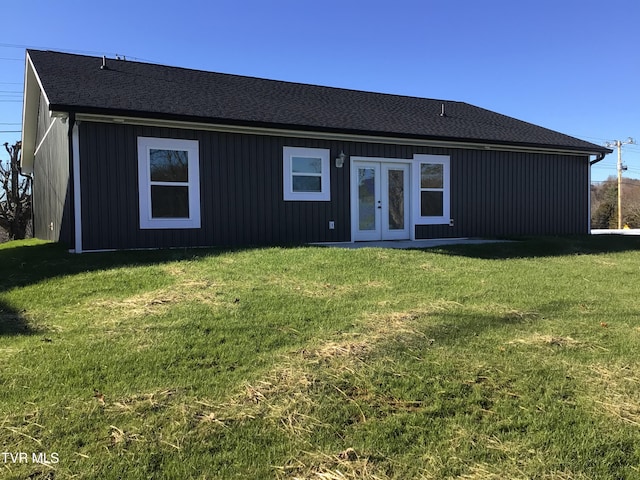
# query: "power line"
{"type": "Point", "coordinates": [36, 47]}
{"type": "Point", "coordinates": [85, 52]}
{"type": "Point", "coordinates": [603, 167]}
{"type": "Point", "coordinates": [629, 184]}
{"type": "Point", "coordinates": [587, 136]}
{"type": "Point", "coordinates": [618, 144]}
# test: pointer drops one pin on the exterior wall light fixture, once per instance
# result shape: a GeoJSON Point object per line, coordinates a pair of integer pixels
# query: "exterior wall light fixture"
{"type": "Point", "coordinates": [340, 160]}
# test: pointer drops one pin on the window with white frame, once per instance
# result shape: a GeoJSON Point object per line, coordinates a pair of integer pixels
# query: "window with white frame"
{"type": "Point", "coordinates": [432, 190]}
{"type": "Point", "coordinates": [306, 174]}
{"type": "Point", "coordinates": [168, 183]}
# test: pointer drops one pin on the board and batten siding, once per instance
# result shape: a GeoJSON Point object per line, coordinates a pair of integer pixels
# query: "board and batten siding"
{"type": "Point", "coordinates": [241, 191]}
{"type": "Point", "coordinates": [497, 194]}
{"type": "Point", "coordinates": [52, 202]}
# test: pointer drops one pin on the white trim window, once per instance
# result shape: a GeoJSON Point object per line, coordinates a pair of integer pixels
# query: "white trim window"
{"type": "Point", "coordinates": [306, 174]}
{"type": "Point", "coordinates": [168, 183]}
{"type": "Point", "coordinates": [432, 189]}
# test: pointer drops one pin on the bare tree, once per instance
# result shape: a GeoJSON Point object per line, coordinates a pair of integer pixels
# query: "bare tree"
{"type": "Point", "coordinates": [15, 195]}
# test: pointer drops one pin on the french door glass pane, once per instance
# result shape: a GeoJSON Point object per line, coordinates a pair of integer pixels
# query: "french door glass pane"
{"type": "Point", "coordinates": [366, 198]}
{"type": "Point", "coordinates": [396, 199]}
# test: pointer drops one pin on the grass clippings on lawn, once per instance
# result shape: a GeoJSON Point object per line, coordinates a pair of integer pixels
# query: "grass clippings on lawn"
{"type": "Point", "coordinates": [479, 362]}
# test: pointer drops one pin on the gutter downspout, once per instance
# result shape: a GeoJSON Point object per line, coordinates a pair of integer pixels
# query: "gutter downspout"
{"type": "Point", "coordinates": [33, 217]}
{"type": "Point", "coordinates": [589, 198]}
{"type": "Point", "coordinates": [74, 164]}
{"type": "Point", "coordinates": [599, 157]}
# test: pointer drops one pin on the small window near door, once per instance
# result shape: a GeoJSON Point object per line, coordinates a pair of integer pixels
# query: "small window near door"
{"type": "Point", "coordinates": [306, 175]}
{"type": "Point", "coordinates": [433, 189]}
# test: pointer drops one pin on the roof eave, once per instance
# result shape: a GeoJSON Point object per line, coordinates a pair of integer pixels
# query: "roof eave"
{"type": "Point", "coordinates": [266, 128]}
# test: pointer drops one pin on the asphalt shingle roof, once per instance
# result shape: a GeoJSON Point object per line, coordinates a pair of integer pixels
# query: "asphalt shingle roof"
{"type": "Point", "coordinates": [77, 83]}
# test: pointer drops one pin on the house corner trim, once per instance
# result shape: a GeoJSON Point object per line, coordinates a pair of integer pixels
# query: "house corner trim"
{"type": "Point", "coordinates": [77, 199]}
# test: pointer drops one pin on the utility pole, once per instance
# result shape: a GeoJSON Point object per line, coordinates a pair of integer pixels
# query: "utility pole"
{"type": "Point", "coordinates": [618, 144]}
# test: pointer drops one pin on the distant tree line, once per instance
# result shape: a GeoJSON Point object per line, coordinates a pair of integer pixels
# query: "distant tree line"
{"type": "Point", "coordinates": [604, 203]}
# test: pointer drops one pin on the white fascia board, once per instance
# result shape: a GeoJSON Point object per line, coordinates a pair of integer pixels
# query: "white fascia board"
{"type": "Point", "coordinates": [30, 104]}
{"type": "Point", "coordinates": [347, 137]}
{"type": "Point", "coordinates": [589, 200]}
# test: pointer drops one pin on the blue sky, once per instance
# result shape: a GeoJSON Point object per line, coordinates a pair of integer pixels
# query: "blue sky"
{"type": "Point", "coordinates": [568, 65]}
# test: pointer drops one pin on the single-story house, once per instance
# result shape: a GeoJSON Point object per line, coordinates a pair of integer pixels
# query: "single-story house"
{"type": "Point", "coordinates": [130, 155]}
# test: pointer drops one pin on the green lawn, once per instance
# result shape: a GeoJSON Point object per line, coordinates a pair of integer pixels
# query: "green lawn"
{"type": "Point", "coordinates": [511, 360]}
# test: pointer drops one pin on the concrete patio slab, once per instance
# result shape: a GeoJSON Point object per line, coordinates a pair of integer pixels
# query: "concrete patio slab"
{"type": "Point", "coordinates": [405, 244]}
{"type": "Point", "coordinates": [612, 231]}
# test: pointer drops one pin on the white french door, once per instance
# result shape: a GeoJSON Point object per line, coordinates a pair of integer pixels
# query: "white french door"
{"type": "Point", "coordinates": [380, 200]}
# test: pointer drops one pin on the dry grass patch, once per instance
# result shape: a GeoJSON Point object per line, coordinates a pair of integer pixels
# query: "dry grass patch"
{"type": "Point", "coordinates": [485, 471]}
{"type": "Point", "coordinates": [345, 465]}
{"type": "Point", "coordinates": [313, 289]}
{"type": "Point", "coordinates": [177, 270]}
{"type": "Point", "coordinates": [538, 339]}
{"type": "Point", "coordinates": [615, 391]}
{"type": "Point", "coordinates": [354, 347]}
{"type": "Point", "coordinates": [6, 352]}
{"type": "Point", "coordinates": [23, 431]}
{"type": "Point", "coordinates": [511, 314]}
{"type": "Point", "coordinates": [118, 436]}
{"type": "Point", "coordinates": [287, 396]}
{"type": "Point", "coordinates": [432, 268]}
{"type": "Point", "coordinates": [158, 301]}
{"type": "Point", "coordinates": [138, 403]}
{"type": "Point", "coordinates": [506, 313]}
{"type": "Point", "coordinates": [381, 326]}
{"type": "Point", "coordinates": [519, 461]}
{"type": "Point", "coordinates": [605, 262]}
{"type": "Point", "coordinates": [283, 398]}
{"type": "Point", "coordinates": [133, 417]}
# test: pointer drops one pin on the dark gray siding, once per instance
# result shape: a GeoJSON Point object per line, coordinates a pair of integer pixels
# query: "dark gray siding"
{"type": "Point", "coordinates": [501, 194]}
{"type": "Point", "coordinates": [51, 189]}
{"type": "Point", "coordinates": [241, 200]}
{"type": "Point", "coordinates": [493, 193]}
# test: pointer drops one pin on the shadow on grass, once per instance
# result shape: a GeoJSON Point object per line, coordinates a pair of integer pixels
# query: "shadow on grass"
{"type": "Point", "coordinates": [33, 262]}
{"type": "Point", "coordinates": [28, 263]}
{"type": "Point", "coordinates": [14, 323]}
{"type": "Point", "coordinates": [537, 247]}
{"type": "Point", "coordinates": [459, 327]}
